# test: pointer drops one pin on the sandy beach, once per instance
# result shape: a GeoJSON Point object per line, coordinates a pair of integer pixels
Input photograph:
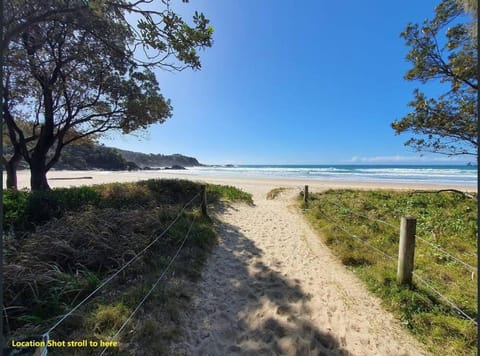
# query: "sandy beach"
{"type": "Point", "coordinates": [59, 179]}
{"type": "Point", "coordinates": [271, 286]}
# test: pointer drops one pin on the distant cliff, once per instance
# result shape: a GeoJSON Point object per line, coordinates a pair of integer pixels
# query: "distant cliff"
{"type": "Point", "coordinates": [158, 160]}
{"type": "Point", "coordinates": [88, 156]}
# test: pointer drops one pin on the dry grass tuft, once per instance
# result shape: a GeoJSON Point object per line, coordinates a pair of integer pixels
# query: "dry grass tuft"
{"type": "Point", "coordinates": [275, 192]}
{"type": "Point", "coordinates": [60, 259]}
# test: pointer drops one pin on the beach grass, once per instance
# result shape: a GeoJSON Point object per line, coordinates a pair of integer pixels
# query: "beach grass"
{"type": "Point", "coordinates": [275, 192]}
{"type": "Point", "coordinates": [23, 209]}
{"type": "Point", "coordinates": [445, 220]}
{"type": "Point", "coordinates": [53, 260]}
{"type": "Point", "coordinates": [216, 193]}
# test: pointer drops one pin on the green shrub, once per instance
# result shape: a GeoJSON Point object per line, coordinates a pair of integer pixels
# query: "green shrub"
{"type": "Point", "coordinates": [123, 195]}
{"type": "Point", "coordinates": [171, 191]}
{"type": "Point", "coordinates": [152, 192]}
{"type": "Point", "coordinates": [23, 210]}
{"type": "Point", "coordinates": [77, 197]}
{"type": "Point", "coordinates": [44, 205]}
{"type": "Point", "coordinates": [14, 203]}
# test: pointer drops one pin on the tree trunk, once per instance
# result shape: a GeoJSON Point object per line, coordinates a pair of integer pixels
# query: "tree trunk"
{"type": "Point", "coordinates": [11, 168]}
{"type": "Point", "coordinates": [38, 160]}
{"type": "Point", "coordinates": [38, 175]}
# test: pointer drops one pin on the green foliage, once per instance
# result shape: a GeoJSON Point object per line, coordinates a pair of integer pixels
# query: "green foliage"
{"type": "Point", "coordinates": [14, 203]}
{"type": "Point", "coordinates": [45, 205]}
{"type": "Point", "coordinates": [152, 192]}
{"type": "Point", "coordinates": [123, 195]}
{"type": "Point", "coordinates": [216, 192]}
{"type": "Point", "coordinates": [169, 191]}
{"type": "Point", "coordinates": [447, 220]}
{"type": "Point", "coordinates": [83, 69]}
{"type": "Point", "coordinates": [447, 124]}
{"type": "Point", "coordinates": [24, 210]}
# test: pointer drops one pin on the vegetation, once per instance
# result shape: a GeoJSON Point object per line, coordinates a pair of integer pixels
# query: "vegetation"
{"type": "Point", "coordinates": [447, 220]}
{"type": "Point", "coordinates": [471, 7]}
{"type": "Point", "coordinates": [217, 192]}
{"type": "Point", "coordinates": [75, 74]}
{"type": "Point", "coordinates": [444, 49]}
{"type": "Point", "coordinates": [91, 156]}
{"type": "Point", "coordinates": [24, 210]}
{"type": "Point", "coordinates": [83, 236]}
{"type": "Point", "coordinates": [275, 192]}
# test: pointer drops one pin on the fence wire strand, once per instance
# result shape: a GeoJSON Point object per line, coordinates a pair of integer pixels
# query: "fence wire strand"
{"type": "Point", "coordinates": [452, 304]}
{"type": "Point", "coordinates": [473, 268]}
{"type": "Point", "coordinates": [361, 215]}
{"type": "Point", "coordinates": [133, 259]}
{"type": "Point", "coordinates": [467, 265]}
{"type": "Point", "coordinates": [331, 220]}
{"type": "Point", "coordinates": [153, 287]}
{"type": "Point", "coordinates": [428, 285]}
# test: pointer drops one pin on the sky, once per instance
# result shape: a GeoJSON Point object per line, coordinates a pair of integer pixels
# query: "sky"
{"type": "Point", "coordinates": [293, 82]}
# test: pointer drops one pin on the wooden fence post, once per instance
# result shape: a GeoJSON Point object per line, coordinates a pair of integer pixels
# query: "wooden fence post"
{"type": "Point", "coordinates": [406, 250]}
{"type": "Point", "coordinates": [203, 193]}
{"type": "Point", "coordinates": [305, 194]}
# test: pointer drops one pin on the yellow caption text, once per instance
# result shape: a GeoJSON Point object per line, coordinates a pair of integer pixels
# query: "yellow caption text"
{"type": "Point", "coordinates": [64, 343]}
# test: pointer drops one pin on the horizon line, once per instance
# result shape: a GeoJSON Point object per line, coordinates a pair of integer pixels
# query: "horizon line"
{"type": "Point", "coordinates": [350, 164]}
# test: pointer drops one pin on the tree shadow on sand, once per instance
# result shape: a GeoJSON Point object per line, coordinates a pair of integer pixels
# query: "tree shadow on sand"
{"type": "Point", "coordinates": [244, 307]}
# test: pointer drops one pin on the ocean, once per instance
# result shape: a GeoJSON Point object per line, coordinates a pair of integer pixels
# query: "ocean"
{"type": "Point", "coordinates": [451, 175]}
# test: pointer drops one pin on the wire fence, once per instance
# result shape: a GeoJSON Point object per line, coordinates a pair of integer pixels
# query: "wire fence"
{"type": "Point", "coordinates": [361, 215]}
{"type": "Point", "coordinates": [153, 287]}
{"type": "Point", "coordinates": [46, 335]}
{"type": "Point", "coordinates": [452, 304]}
{"type": "Point", "coordinates": [439, 249]}
{"type": "Point", "coordinates": [465, 264]}
{"type": "Point", "coordinates": [332, 221]}
{"type": "Point", "coordinates": [427, 284]}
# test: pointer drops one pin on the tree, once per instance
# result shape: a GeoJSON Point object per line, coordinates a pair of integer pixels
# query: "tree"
{"type": "Point", "coordinates": [87, 80]}
{"type": "Point", "coordinates": [471, 7]}
{"type": "Point", "coordinates": [80, 84]}
{"type": "Point", "coordinates": [15, 90]}
{"type": "Point", "coordinates": [158, 30]}
{"type": "Point", "coordinates": [21, 15]}
{"type": "Point", "coordinates": [447, 124]}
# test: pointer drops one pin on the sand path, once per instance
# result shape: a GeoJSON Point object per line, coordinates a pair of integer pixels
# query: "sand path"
{"type": "Point", "coordinates": [271, 287]}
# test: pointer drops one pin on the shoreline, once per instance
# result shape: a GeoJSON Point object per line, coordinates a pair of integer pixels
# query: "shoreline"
{"type": "Point", "coordinates": [60, 179]}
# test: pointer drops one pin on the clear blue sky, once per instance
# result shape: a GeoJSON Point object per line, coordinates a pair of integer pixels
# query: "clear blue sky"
{"type": "Point", "coordinates": [293, 82]}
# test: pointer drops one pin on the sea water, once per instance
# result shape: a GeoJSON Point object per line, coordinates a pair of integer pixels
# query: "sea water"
{"type": "Point", "coordinates": [450, 175]}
